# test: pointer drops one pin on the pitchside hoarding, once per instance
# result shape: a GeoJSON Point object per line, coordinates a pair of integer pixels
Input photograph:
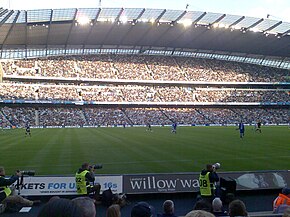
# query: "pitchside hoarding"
{"type": "Point", "coordinates": [153, 183]}
{"type": "Point", "coordinates": [188, 182]}
{"type": "Point", "coordinates": [55, 185]}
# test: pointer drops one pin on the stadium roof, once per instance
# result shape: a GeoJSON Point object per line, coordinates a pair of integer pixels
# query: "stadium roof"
{"type": "Point", "coordinates": [139, 27]}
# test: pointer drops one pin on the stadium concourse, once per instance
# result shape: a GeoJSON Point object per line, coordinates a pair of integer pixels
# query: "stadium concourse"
{"type": "Point", "coordinates": [217, 69]}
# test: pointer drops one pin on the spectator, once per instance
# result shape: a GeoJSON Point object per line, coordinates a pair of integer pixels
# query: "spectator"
{"type": "Point", "coordinates": [142, 209]}
{"type": "Point", "coordinates": [237, 208]}
{"type": "Point", "coordinates": [217, 207]}
{"type": "Point", "coordinates": [61, 208]}
{"type": "Point", "coordinates": [203, 204]}
{"type": "Point", "coordinates": [168, 209]}
{"type": "Point", "coordinates": [282, 202]}
{"type": "Point", "coordinates": [113, 211]}
{"type": "Point", "coordinates": [87, 205]}
{"type": "Point", "coordinates": [199, 213]}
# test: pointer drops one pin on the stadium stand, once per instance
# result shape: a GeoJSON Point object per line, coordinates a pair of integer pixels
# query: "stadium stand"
{"type": "Point", "coordinates": [116, 67]}
{"type": "Point", "coordinates": [56, 116]}
{"type": "Point", "coordinates": [143, 67]}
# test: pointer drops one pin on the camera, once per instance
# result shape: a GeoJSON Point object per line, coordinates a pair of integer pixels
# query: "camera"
{"type": "Point", "coordinates": [216, 166]}
{"type": "Point", "coordinates": [27, 172]}
{"type": "Point", "coordinates": [96, 166]}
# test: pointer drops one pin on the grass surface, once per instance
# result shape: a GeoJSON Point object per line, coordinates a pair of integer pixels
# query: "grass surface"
{"type": "Point", "coordinates": [135, 150]}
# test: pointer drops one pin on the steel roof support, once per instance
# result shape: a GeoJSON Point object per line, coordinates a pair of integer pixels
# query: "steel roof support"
{"type": "Point", "coordinates": [180, 16]}
{"type": "Point", "coordinates": [26, 34]}
{"type": "Point", "coordinates": [70, 29]}
{"type": "Point", "coordinates": [172, 23]}
{"type": "Point", "coordinates": [10, 29]}
{"type": "Point", "coordinates": [195, 21]}
{"type": "Point", "coordinates": [272, 27]}
{"type": "Point", "coordinates": [109, 32]}
{"type": "Point", "coordinates": [138, 17]}
{"type": "Point", "coordinates": [160, 16]}
{"type": "Point", "coordinates": [6, 18]}
{"type": "Point", "coordinates": [285, 33]}
{"type": "Point", "coordinates": [3, 12]}
{"type": "Point", "coordinates": [91, 29]}
{"type": "Point", "coordinates": [237, 21]}
{"type": "Point", "coordinates": [2, 22]}
{"type": "Point", "coordinates": [218, 19]}
{"type": "Point", "coordinates": [48, 31]}
{"type": "Point", "coordinates": [156, 21]}
{"type": "Point", "coordinates": [254, 24]}
{"type": "Point", "coordinates": [199, 18]}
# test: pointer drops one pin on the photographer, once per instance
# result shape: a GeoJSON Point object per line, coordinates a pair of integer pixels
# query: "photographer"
{"type": "Point", "coordinates": [84, 177]}
{"type": "Point", "coordinates": [6, 193]}
{"type": "Point", "coordinates": [207, 182]}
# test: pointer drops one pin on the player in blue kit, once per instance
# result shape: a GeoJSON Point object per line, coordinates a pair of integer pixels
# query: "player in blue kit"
{"type": "Point", "coordinates": [241, 129]}
{"type": "Point", "coordinates": [173, 127]}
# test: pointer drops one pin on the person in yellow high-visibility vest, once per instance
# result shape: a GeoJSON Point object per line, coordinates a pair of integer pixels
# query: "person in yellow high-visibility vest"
{"type": "Point", "coordinates": [207, 179]}
{"type": "Point", "coordinates": [84, 178]}
{"type": "Point", "coordinates": [7, 195]}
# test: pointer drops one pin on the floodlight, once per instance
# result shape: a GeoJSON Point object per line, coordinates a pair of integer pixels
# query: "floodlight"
{"type": "Point", "coordinates": [215, 25]}
{"type": "Point", "coordinates": [237, 27]}
{"type": "Point", "coordinates": [152, 20]}
{"type": "Point", "coordinates": [123, 19]}
{"type": "Point", "coordinates": [83, 20]}
{"type": "Point", "coordinates": [185, 22]}
{"type": "Point", "coordinates": [255, 30]}
{"type": "Point", "coordinates": [102, 19]}
{"type": "Point", "coordinates": [144, 20]}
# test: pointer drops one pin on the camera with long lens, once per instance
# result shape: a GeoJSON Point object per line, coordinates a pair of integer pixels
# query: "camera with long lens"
{"type": "Point", "coordinates": [27, 172]}
{"type": "Point", "coordinates": [216, 166]}
{"type": "Point", "coordinates": [96, 166]}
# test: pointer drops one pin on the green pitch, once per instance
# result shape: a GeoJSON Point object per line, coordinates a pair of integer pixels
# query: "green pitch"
{"type": "Point", "coordinates": [135, 150]}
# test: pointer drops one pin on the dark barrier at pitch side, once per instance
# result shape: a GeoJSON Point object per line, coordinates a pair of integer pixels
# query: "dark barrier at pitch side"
{"type": "Point", "coordinates": [188, 182]}
{"type": "Point", "coordinates": [153, 183]}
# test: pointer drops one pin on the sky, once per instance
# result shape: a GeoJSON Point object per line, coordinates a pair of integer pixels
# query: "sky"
{"type": "Point", "coordinates": [277, 9]}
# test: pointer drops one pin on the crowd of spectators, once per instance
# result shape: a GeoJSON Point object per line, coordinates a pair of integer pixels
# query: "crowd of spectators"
{"type": "Point", "coordinates": [84, 207]}
{"type": "Point", "coordinates": [138, 67]}
{"type": "Point", "coordinates": [60, 116]}
{"type": "Point", "coordinates": [143, 67]}
{"type": "Point", "coordinates": [138, 93]}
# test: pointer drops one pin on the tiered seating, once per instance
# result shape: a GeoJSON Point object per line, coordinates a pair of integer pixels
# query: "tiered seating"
{"type": "Point", "coordinates": [137, 67]}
